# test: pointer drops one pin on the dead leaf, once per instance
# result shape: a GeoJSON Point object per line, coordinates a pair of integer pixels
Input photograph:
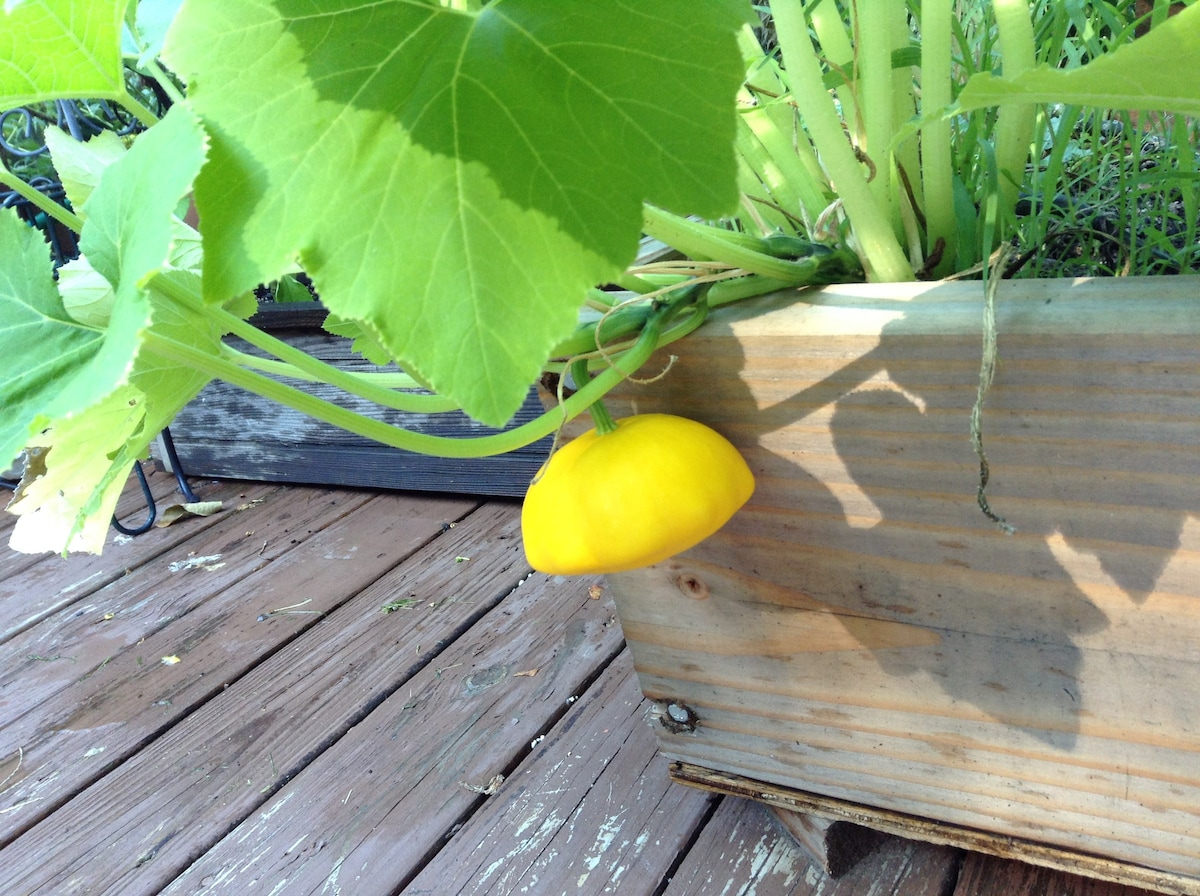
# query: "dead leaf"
{"type": "Point", "coordinates": [249, 504]}
{"type": "Point", "coordinates": [176, 512]}
{"type": "Point", "coordinates": [528, 673]}
{"type": "Point", "coordinates": [171, 660]}
{"type": "Point", "coordinates": [595, 592]}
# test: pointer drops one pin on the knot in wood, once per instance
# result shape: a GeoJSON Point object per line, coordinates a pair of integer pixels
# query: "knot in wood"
{"type": "Point", "coordinates": [693, 586]}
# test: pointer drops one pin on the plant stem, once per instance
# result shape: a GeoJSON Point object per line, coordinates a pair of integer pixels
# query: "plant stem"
{"type": "Point", "coordinates": [397, 437]}
{"type": "Point", "coordinates": [874, 65]}
{"type": "Point", "coordinates": [601, 418]}
{"type": "Point", "coordinates": [702, 241]}
{"type": "Point", "coordinates": [43, 202]}
{"type": "Point", "coordinates": [164, 80]}
{"type": "Point", "coordinates": [300, 361]}
{"type": "Point", "coordinates": [878, 247]}
{"type": "Point", "coordinates": [937, 168]}
{"type": "Point", "coordinates": [136, 109]}
{"type": "Point", "coordinates": [1014, 123]}
{"type": "Point", "coordinates": [377, 387]}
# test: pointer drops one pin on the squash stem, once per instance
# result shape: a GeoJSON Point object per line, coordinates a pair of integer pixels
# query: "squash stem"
{"type": "Point", "coordinates": [601, 418]}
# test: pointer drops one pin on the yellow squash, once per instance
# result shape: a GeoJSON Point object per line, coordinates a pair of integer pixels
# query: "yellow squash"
{"type": "Point", "coordinates": [654, 486]}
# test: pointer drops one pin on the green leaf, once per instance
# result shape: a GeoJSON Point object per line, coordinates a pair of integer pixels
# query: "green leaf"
{"type": "Point", "coordinates": [48, 367]}
{"type": "Point", "coordinates": [50, 49]}
{"type": "Point", "coordinates": [80, 165]}
{"type": "Point", "coordinates": [93, 425]}
{"type": "Point", "coordinates": [363, 343]}
{"type": "Point", "coordinates": [1133, 76]}
{"type": "Point", "coordinates": [67, 469]}
{"type": "Point", "coordinates": [153, 19]}
{"type": "Point", "coordinates": [455, 181]}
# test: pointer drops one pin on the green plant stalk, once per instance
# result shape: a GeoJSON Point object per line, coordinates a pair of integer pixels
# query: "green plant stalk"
{"type": "Point", "coordinates": [397, 437]}
{"type": "Point", "coordinates": [878, 246]}
{"type": "Point", "coordinates": [131, 105]}
{"type": "Point", "coordinates": [937, 168]}
{"type": "Point", "coordinates": [42, 202]}
{"type": "Point", "coordinates": [619, 324]}
{"type": "Point", "coordinates": [300, 362]}
{"type": "Point", "coordinates": [154, 70]}
{"type": "Point", "coordinates": [838, 50]}
{"type": "Point", "coordinates": [726, 292]}
{"type": "Point", "coordinates": [872, 25]}
{"type": "Point", "coordinates": [1014, 123]}
{"type": "Point", "coordinates": [788, 168]}
{"type": "Point", "coordinates": [601, 418]}
{"type": "Point", "coordinates": [702, 241]}
{"type": "Point", "coordinates": [386, 381]}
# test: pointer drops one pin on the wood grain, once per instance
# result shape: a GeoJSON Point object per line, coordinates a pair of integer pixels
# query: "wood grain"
{"type": "Point", "coordinates": [742, 851]}
{"type": "Point", "coordinates": [912, 656]}
{"type": "Point", "coordinates": [36, 585]}
{"type": "Point", "coordinates": [95, 722]}
{"type": "Point", "coordinates": [834, 846]}
{"type": "Point", "coordinates": [590, 811]}
{"type": "Point", "coordinates": [227, 432]}
{"type": "Point", "coordinates": [410, 774]}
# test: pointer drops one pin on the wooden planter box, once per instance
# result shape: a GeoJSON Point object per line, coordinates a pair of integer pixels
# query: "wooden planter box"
{"type": "Point", "coordinates": [230, 433]}
{"type": "Point", "coordinates": [860, 642]}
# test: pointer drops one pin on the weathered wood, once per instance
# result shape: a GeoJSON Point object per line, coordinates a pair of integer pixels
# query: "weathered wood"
{"type": "Point", "coordinates": [589, 811]}
{"type": "Point", "coordinates": [23, 576]}
{"type": "Point", "coordinates": [75, 642]}
{"type": "Point", "coordinates": [742, 852]}
{"type": "Point", "coordinates": [861, 631]}
{"type": "Point", "coordinates": [1068, 862]}
{"type": "Point", "coordinates": [833, 846]}
{"type": "Point", "coordinates": [414, 769]}
{"type": "Point", "coordinates": [96, 716]}
{"type": "Point", "coordinates": [142, 824]}
{"type": "Point", "coordinates": [294, 746]}
{"type": "Point", "coordinates": [227, 432]}
{"type": "Point", "coordinates": [984, 875]}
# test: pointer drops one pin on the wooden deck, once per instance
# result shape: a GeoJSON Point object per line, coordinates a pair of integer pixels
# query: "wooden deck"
{"type": "Point", "coordinates": [341, 692]}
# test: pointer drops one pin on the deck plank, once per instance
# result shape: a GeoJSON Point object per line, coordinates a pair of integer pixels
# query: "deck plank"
{"type": "Point", "coordinates": [745, 852]}
{"type": "Point", "coordinates": [590, 810]}
{"type": "Point", "coordinates": [84, 635]}
{"type": "Point", "coordinates": [403, 774]}
{"type": "Point", "coordinates": [300, 753]}
{"type": "Point", "coordinates": [984, 875]}
{"type": "Point", "coordinates": [34, 586]}
{"type": "Point", "coordinates": [102, 716]}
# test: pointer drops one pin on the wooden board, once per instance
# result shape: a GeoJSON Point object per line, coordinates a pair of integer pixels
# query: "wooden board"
{"type": "Point", "coordinates": [742, 851]}
{"type": "Point", "coordinates": [33, 586]}
{"type": "Point", "coordinates": [227, 432]}
{"type": "Point", "coordinates": [1066, 864]}
{"type": "Point", "coordinates": [590, 810]}
{"type": "Point", "coordinates": [94, 717]}
{"type": "Point", "coordinates": [835, 846]}
{"type": "Point", "coordinates": [427, 758]}
{"type": "Point", "coordinates": [861, 631]}
{"type": "Point", "coordinates": [984, 875]}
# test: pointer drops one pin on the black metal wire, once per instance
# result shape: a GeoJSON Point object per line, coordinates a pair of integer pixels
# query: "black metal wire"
{"type": "Point", "coordinates": [153, 509]}
{"type": "Point", "coordinates": [177, 468]}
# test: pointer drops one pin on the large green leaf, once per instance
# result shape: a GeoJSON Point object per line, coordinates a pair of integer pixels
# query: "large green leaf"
{"type": "Point", "coordinates": [455, 181]}
{"type": "Point", "coordinates": [47, 368]}
{"type": "Point", "coordinates": [91, 420]}
{"type": "Point", "coordinates": [60, 48]}
{"type": "Point", "coordinates": [1158, 72]}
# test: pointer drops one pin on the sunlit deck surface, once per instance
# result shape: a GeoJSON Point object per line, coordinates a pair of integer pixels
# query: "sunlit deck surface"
{"type": "Point", "coordinates": [344, 692]}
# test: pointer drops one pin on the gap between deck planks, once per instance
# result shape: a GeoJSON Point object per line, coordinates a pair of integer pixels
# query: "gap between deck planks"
{"type": "Point", "coordinates": [342, 750]}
